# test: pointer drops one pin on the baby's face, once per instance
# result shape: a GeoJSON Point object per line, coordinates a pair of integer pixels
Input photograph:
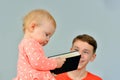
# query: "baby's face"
{"type": "Point", "coordinates": [43, 32]}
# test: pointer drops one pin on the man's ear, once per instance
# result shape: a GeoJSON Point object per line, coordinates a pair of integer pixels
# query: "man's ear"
{"type": "Point", "coordinates": [70, 49]}
{"type": "Point", "coordinates": [93, 57]}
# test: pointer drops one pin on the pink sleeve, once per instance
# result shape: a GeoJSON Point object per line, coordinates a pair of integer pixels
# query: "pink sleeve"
{"type": "Point", "coordinates": [36, 57]}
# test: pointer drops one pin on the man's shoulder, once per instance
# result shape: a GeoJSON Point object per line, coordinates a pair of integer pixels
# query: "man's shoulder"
{"type": "Point", "coordinates": [62, 76]}
{"type": "Point", "coordinates": [93, 76]}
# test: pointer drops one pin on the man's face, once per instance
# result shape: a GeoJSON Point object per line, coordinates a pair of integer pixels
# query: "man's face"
{"type": "Point", "coordinates": [86, 51]}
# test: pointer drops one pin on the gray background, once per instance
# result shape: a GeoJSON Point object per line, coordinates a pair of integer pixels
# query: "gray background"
{"type": "Point", "coordinates": [99, 18]}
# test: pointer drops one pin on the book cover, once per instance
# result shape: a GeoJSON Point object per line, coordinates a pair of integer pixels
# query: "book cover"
{"type": "Point", "coordinates": [71, 63]}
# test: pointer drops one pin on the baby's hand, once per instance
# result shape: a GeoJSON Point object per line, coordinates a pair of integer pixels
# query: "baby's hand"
{"type": "Point", "coordinates": [60, 61]}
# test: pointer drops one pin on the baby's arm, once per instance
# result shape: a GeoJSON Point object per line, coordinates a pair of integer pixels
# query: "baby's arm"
{"type": "Point", "coordinates": [36, 57]}
{"type": "Point", "coordinates": [60, 61]}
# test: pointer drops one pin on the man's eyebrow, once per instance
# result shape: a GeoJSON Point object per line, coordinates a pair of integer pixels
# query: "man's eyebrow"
{"type": "Point", "coordinates": [87, 50]}
{"type": "Point", "coordinates": [75, 47]}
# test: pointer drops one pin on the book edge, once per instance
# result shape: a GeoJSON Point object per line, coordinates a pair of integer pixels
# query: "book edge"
{"type": "Point", "coordinates": [66, 55]}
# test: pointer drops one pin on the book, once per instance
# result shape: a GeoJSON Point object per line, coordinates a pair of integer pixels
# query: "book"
{"type": "Point", "coordinates": [71, 63]}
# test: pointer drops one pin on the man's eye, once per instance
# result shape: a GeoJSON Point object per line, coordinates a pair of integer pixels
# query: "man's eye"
{"type": "Point", "coordinates": [76, 49]}
{"type": "Point", "coordinates": [85, 52]}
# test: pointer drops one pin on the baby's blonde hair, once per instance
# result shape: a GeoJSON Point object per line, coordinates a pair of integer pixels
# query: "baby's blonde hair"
{"type": "Point", "coordinates": [37, 15]}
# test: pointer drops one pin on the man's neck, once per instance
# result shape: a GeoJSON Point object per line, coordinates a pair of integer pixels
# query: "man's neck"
{"type": "Point", "coordinates": [77, 74]}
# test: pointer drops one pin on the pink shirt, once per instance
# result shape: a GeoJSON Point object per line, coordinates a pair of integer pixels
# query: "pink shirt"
{"type": "Point", "coordinates": [32, 62]}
